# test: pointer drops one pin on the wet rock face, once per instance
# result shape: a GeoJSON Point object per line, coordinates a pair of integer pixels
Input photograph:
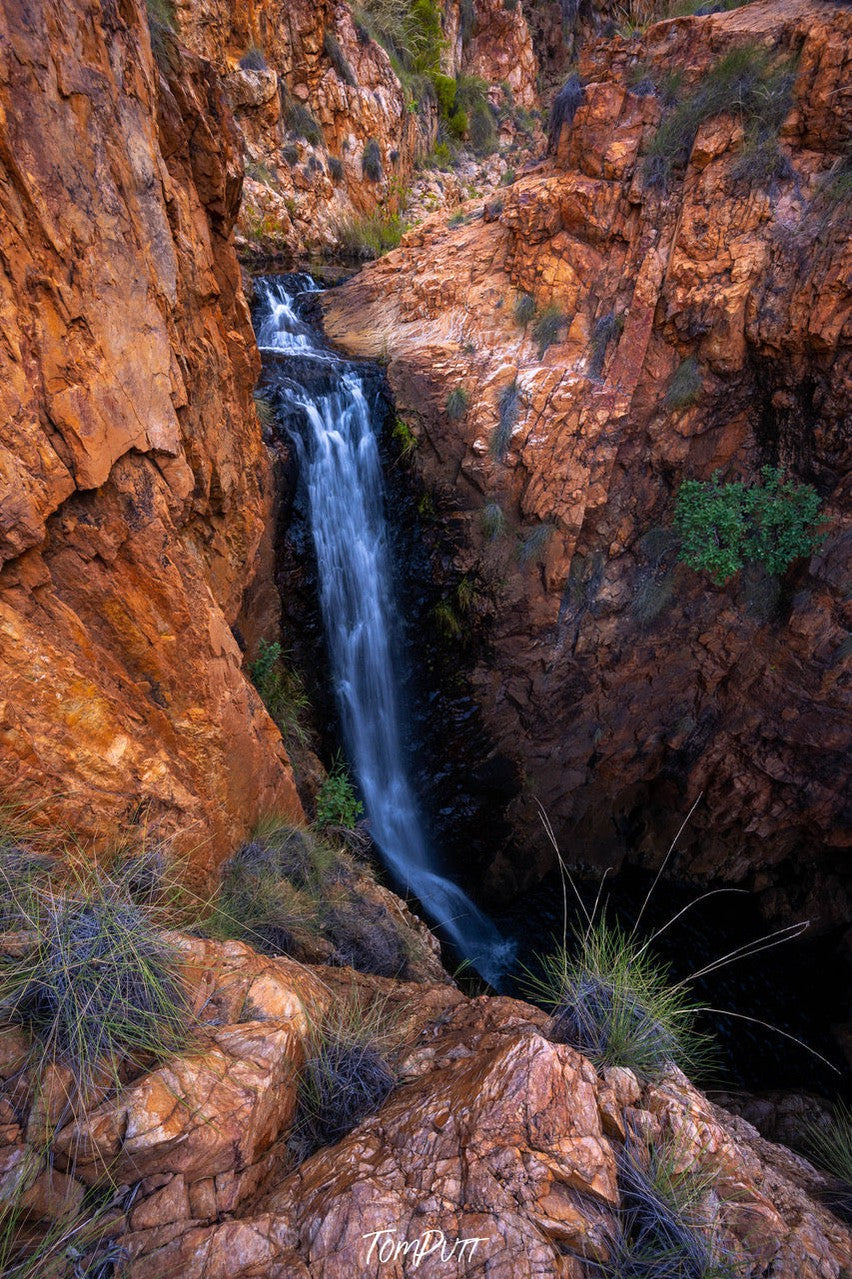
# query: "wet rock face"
{"type": "Point", "coordinates": [131, 466]}
{"type": "Point", "coordinates": [624, 683]}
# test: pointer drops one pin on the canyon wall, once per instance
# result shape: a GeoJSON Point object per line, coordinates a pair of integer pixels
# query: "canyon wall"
{"type": "Point", "coordinates": [624, 684]}
{"type": "Point", "coordinates": [330, 134]}
{"type": "Point", "coordinates": [132, 473]}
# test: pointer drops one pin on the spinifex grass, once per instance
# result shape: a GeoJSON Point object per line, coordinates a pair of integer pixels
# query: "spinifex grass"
{"type": "Point", "coordinates": [346, 1075]}
{"type": "Point", "coordinates": [91, 978]}
{"type": "Point", "coordinates": [616, 1004]}
{"type": "Point", "coordinates": [667, 1227]}
{"type": "Point", "coordinates": [613, 1001]}
{"type": "Point", "coordinates": [830, 1147]}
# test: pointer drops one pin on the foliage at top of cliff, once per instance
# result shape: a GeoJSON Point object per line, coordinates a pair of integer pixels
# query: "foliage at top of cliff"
{"type": "Point", "coordinates": [725, 526]}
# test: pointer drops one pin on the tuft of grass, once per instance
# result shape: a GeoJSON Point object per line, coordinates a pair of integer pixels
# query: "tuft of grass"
{"type": "Point", "coordinates": [524, 308]}
{"type": "Point", "coordinates": [510, 399]}
{"type": "Point", "coordinates": [338, 59]}
{"type": "Point", "coordinates": [446, 620]}
{"type": "Point", "coordinates": [830, 1146]}
{"type": "Point", "coordinates": [493, 520]}
{"type": "Point", "coordinates": [94, 984]}
{"type": "Point", "coordinates": [368, 236]}
{"type": "Point", "coordinates": [346, 1076]}
{"type": "Point", "coordinates": [259, 904]}
{"type": "Point", "coordinates": [667, 1226]}
{"type": "Point", "coordinates": [547, 326]}
{"type": "Point", "coordinates": [365, 937]}
{"type": "Point", "coordinates": [161, 25]}
{"type": "Point", "coordinates": [483, 131]}
{"type": "Point", "coordinates": [606, 328]}
{"type": "Point", "coordinates": [564, 108]}
{"type": "Point", "coordinates": [534, 543]}
{"type": "Point", "coordinates": [508, 178]}
{"type": "Point", "coordinates": [457, 403]}
{"type": "Point", "coordinates": [253, 59]}
{"type": "Point", "coordinates": [282, 692]}
{"type": "Point", "coordinates": [613, 1002]}
{"type": "Point", "coordinates": [337, 803]}
{"type": "Point", "coordinates": [371, 161]}
{"type": "Point", "coordinates": [684, 388]}
{"type": "Point", "coordinates": [300, 122]}
{"type": "Point", "coordinates": [335, 168]}
{"type": "Point", "coordinates": [747, 82]}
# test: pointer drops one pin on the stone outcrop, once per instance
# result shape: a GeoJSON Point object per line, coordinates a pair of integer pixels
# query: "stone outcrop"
{"type": "Point", "coordinates": [623, 683]}
{"type": "Point", "coordinates": [494, 1133]}
{"type": "Point", "coordinates": [324, 93]}
{"type": "Point", "coordinates": [131, 465]}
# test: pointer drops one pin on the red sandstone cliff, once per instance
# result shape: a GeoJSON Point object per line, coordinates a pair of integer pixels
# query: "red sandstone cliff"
{"type": "Point", "coordinates": [131, 464]}
{"type": "Point", "coordinates": [622, 682]}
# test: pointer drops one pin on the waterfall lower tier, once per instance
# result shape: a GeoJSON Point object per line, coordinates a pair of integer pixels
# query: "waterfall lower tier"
{"type": "Point", "coordinates": [340, 466]}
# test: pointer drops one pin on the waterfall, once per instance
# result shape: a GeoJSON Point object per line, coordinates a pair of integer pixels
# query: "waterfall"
{"type": "Point", "coordinates": [340, 464]}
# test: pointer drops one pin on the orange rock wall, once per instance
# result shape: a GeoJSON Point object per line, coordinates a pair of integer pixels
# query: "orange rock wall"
{"type": "Point", "coordinates": [131, 464]}
{"type": "Point", "coordinates": [625, 684]}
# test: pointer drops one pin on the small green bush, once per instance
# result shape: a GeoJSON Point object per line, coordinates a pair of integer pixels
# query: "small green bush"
{"type": "Point", "coordinates": [564, 108]}
{"type": "Point", "coordinates": [508, 178]}
{"type": "Point", "coordinates": [404, 438]}
{"type": "Point", "coordinates": [458, 403]}
{"type": "Point", "coordinates": [282, 692]}
{"type": "Point", "coordinates": [724, 526]}
{"type": "Point", "coordinates": [337, 803]}
{"type": "Point", "coordinates": [338, 59]}
{"type": "Point", "coordinates": [685, 387]}
{"type": "Point", "coordinates": [547, 326]}
{"type": "Point", "coordinates": [493, 520]}
{"type": "Point", "coordinates": [534, 543]}
{"type": "Point", "coordinates": [335, 168]}
{"type": "Point", "coordinates": [300, 122]}
{"type": "Point", "coordinates": [604, 331]}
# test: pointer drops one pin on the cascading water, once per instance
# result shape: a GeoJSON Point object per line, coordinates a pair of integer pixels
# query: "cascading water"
{"type": "Point", "coordinates": [340, 462]}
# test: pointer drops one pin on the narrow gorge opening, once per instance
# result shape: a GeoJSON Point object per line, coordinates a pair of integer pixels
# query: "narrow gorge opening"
{"type": "Point", "coordinates": [331, 419]}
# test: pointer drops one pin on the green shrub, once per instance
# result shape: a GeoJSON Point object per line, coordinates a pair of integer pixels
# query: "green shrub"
{"type": "Point", "coordinates": [547, 326]}
{"type": "Point", "coordinates": [458, 403]}
{"type": "Point", "coordinates": [534, 543]}
{"type": "Point", "coordinates": [371, 161]}
{"type": "Point", "coordinates": [370, 235]}
{"type": "Point", "coordinates": [282, 692]}
{"type": "Point", "coordinates": [613, 1002]}
{"type": "Point", "coordinates": [724, 526]}
{"type": "Point", "coordinates": [95, 984]}
{"type": "Point", "coordinates": [524, 308]}
{"type": "Point", "coordinates": [446, 620]}
{"type": "Point", "coordinates": [404, 438]}
{"type": "Point", "coordinates": [335, 168]}
{"type": "Point", "coordinates": [508, 178]}
{"type": "Point", "coordinates": [458, 124]}
{"type": "Point", "coordinates": [338, 59]}
{"type": "Point", "coordinates": [744, 82]}
{"type": "Point", "coordinates": [337, 803]}
{"type": "Point", "coordinates": [161, 25]}
{"type": "Point", "coordinates": [444, 87]}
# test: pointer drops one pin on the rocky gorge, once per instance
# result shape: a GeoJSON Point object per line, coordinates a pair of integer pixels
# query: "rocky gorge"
{"type": "Point", "coordinates": [619, 261]}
